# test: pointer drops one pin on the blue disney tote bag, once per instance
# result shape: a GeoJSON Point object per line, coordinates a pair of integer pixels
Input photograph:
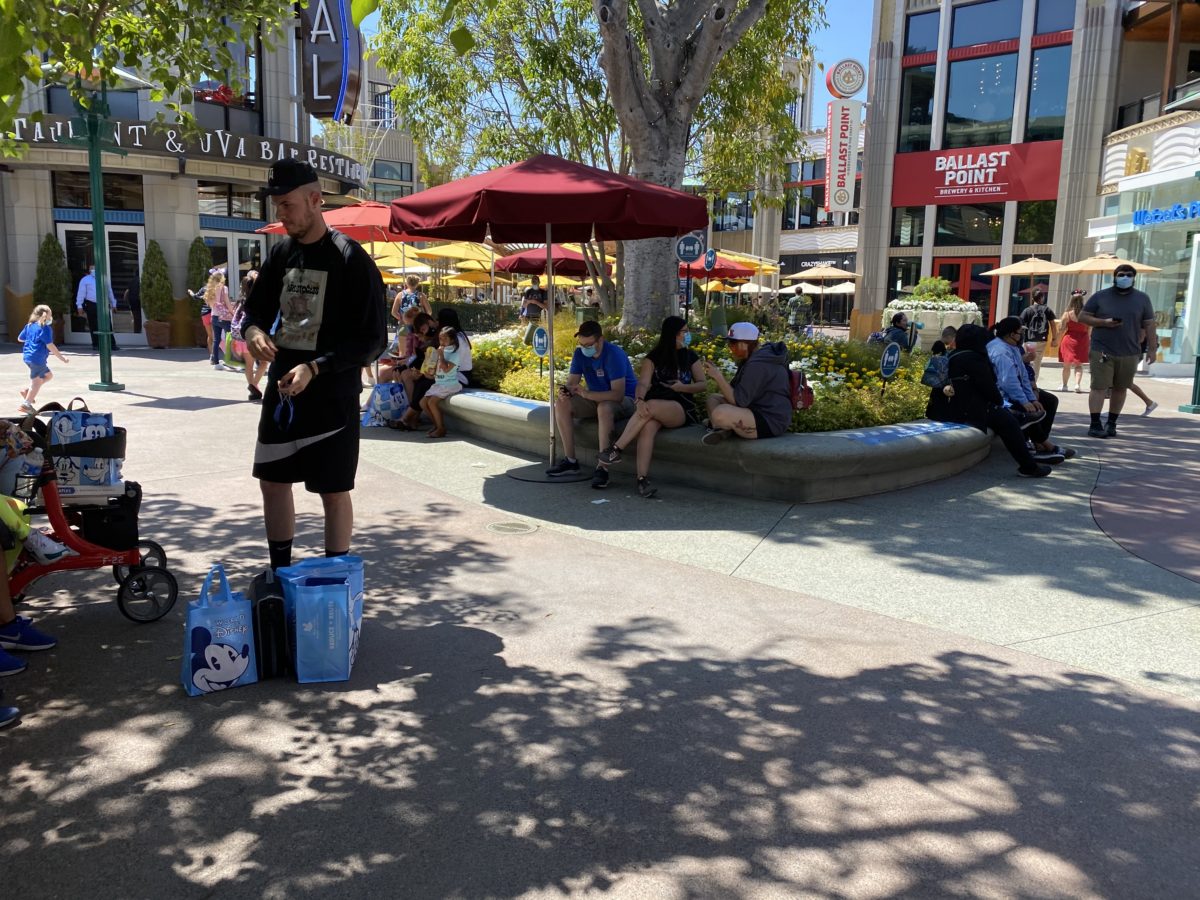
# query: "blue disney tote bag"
{"type": "Point", "coordinates": [324, 606]}
{"type": "Point", "coordinates": [218, 639]}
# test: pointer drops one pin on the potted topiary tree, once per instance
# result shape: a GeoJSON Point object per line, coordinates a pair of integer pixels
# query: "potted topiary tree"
{"type": "Point", "coordinates": [199, 262]}
{"type": "Point", "coordinates": [158, 300]}
{"type": "Point", "coordinates": [932, 306]}
{"type": "Point", "coordinates": [52, 284]}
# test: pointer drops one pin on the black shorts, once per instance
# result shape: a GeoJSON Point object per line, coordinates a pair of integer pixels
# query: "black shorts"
{"type": "Point", "coordinates": [760, 424]}
{"type": "Point", "coordinates": [319, 446]}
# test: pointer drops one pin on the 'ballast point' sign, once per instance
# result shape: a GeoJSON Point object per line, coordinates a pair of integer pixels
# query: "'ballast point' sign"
{"type": "Point", "coordinates": [841, 152]}
{"type": "Point", "coordinates": [978, 175]}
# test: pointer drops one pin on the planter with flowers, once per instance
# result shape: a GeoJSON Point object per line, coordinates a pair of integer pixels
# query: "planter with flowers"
{"type": "Point", "coordinates": [932, 306]}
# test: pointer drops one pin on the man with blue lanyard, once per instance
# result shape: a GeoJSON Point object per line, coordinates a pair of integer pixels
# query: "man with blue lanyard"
{"type": "Point", "coordinates": [608, 396]}
{"type": "Point", "coordinates": [85, 301]}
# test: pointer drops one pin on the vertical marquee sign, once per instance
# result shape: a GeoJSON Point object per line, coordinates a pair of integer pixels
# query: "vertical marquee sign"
{"type": "Point", "coordinates": [844, 79]}
{"type": "Point", "coordinates": [331, 56]}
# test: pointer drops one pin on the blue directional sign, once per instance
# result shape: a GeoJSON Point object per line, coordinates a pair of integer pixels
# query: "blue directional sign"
{"type": "Point", "coordinates": [890, 361]}
{"type": "Point", "coordinates": [541, 341]}
{"type": "Point", "coordinates": [690, 247]}
{"type": "Point", "coordinates": [710, 259]}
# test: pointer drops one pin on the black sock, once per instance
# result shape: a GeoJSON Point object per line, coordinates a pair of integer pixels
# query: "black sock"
{"type": "Point", "coordinates": [1096, 420]}
{"type": "Point", "coordinates": [329, 552]}
{"type": "Point", "coordinates": [1112, 418]}
{"type": "Point", "coordinates": [281, 553]}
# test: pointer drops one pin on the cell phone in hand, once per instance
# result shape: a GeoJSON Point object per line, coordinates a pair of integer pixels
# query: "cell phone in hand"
{"type": "Point", "coordinates": [1115, 320]}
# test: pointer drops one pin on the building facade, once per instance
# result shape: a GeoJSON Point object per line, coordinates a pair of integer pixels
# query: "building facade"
{"type": "Point", "coordinates": [161, 185]}
{"type": "Point", "coordinates": [984, 135]}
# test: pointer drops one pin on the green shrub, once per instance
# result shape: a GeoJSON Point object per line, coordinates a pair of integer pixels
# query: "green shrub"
{"type": "Point", "coordinates": [52, 282]}
{"type": "Point", "coordinates": [493, 358]}
{"type": "Point", "coordinates": [158, 299]}
{"type": "Point", "coordinates": [528, 384]}
{"type": "Point", "coordinates": [843, 407]}
{"type": "Point", "coordinates": [481, 318]}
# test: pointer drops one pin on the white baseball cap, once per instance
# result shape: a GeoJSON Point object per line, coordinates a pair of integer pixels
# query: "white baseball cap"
{"type": "Point", "coordinates": [743, 331]}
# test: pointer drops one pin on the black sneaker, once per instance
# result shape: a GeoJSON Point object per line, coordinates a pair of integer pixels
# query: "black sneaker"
{"type": "Point", "coordinates": [1038, 471]}
{"type": "Point", "coordinates": [1110, 430]}
{"type": "Point", "coordinates": [599, 478]}
{"type": "Point", "coordinates": [564, 467]}
{"type": "Point", "coordinates": [1030, 418]}
{"type": "Point", "coordinates": [610, 456]}
{"type": "Point", "coordinates": [644, 489]}
{"type": "Point", "coordinates": [1097, 431]}
{"type": "Point", "coordinates": [714, 436]}
{"type": "Point", "coordinates": [1050, 457]}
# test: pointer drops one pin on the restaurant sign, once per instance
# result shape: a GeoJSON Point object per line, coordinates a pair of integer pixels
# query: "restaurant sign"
{"type": "Point", "coordinates": [841, 165]}
{"type": "Point", "coordinates": [332, 60]}
{"type": "Point", "coordinates": [977, 174]}
{"type": "Point", "coordinates": [165, 140]}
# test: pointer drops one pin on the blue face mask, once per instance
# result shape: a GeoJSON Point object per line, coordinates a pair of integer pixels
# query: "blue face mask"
{"type": "Point", "coordinates": [687, 339]}
{"type": "Point", "coordinates": [589, 351]}
{"type": "Point", "coordinates": [1123, 282]}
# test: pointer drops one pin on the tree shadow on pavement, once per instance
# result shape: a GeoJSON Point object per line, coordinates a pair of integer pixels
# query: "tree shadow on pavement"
{"type": "Point", "coordinates": [445, 770]}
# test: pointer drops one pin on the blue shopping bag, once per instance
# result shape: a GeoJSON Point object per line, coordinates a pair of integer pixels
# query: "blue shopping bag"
{"type": "Point", "coordinates": [83, 449]}
{"type": "Point", "coordinates": [218, 639]}
{"type": "Point", "coordinates": [323, 603]}
{"type": "Point", "coordinates": [387, 403]}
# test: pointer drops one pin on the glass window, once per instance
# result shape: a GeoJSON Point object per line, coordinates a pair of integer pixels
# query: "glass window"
{"type": "Point", "coordinates": [1048, 93]}
{"type": "Point", "coordinates": [122, 105]}
{"type": "Point", "coordinates": [983, 23]}
{"type": "Point", "coordinates": [793, 172]}
{"type": "Point", "coordinates": [1055, 15]}
{"type": "Point", "coordinates": [813, 169]}
{"type": "Point", "coordinates": [979, 102]}
{"type": "Point", "coordinates": [393, 171]}
{"type": "Point", "coordinates": [903, 274]}
{"type": "Point", "coordinates": [72, 190]}
{"type": "Point", "coordinates": [921, 33]}
{"type": "Point", "coordinates": [977, 224]}
{"type": "Point", "coordinates": [916, 109]}
{"type": "Point", "coordinates": [244, 202]}
{"type": "Point", "coordinates": [213, 198]}
{"type": "Point", "coordinates": [1035, 221]}
{"type": "Point", "coordinates": [386, 193]}
{"type": "Point", "coordinates": [908, 226]}
{"type": "Point", "coordinates": [791, 201]}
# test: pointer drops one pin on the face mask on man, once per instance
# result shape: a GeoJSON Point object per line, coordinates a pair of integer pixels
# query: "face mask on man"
{"type": "Point", "coordinates": [589, 351]}
{"type": "Point", "coordinates": [687, 339]}
{"type": "Point", "coordinates": [1123, 282]}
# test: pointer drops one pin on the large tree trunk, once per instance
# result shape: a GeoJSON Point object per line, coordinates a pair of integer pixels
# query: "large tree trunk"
{"type": "Point", "coordinates": [651, 269]}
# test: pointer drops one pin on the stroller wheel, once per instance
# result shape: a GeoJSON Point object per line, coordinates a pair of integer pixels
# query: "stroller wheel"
{"type": "Point", "coordinates": [147, 594]}
{"type": "Point", "coordinates": [153, 555]}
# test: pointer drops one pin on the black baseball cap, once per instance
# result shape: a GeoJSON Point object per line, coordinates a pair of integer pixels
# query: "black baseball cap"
{"type": "Point", "coordinates": [287, 175]}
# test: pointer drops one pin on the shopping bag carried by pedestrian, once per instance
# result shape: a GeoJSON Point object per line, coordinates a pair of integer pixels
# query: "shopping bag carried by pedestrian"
{"type": "Point", "coordinates": [387, 404]}
{"type": "Point", "coordinates": [218, 639]}
{"type": "Point", "coordinates": [324, 605]}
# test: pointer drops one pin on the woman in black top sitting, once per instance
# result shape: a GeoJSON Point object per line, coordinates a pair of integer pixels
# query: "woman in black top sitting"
{"type": "Point", "coordinates": [670, 376]}
{"type": "Point", "coordinates": [973, 398]}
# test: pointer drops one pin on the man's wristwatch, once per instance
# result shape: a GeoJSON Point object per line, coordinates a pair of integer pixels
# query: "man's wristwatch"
{"type": "Point", "coordinates": [313, 368]}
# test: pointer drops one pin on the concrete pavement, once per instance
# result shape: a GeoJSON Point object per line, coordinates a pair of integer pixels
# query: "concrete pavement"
{"type": "Point", "coordinates": [698, 697]}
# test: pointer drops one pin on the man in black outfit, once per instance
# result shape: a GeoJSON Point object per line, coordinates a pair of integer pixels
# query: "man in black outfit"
{"type": "Point", "coordinates": [328, 297]}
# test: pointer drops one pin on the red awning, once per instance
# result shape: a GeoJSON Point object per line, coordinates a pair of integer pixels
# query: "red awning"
{"type": "Point", "coordinates": [533, 262]}
{"type": "Point", "coordinates": [363, 222]}
{"type": "Point", "coordinates": [724, 268]}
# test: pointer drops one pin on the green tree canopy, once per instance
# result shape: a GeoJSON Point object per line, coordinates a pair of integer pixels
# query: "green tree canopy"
{"type": "Point", "coordinates": [158, 299]}
{"type": "Point", "coordinates": [172, 45]}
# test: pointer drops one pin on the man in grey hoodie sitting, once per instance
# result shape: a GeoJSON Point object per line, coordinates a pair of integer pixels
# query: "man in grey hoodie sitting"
{"type": "Point", "coordinates": [757, 402]}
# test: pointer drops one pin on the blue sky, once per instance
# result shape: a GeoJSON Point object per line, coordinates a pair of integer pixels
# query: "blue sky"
{"type": "Point", "coordinates": [848, 35]}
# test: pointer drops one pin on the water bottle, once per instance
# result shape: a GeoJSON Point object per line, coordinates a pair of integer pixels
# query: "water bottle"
{"type": "Point", "coordinates": [34, 460]}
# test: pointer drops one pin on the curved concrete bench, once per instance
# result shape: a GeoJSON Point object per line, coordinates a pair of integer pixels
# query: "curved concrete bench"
{"type": "Point", "coordinates": [797, 468]}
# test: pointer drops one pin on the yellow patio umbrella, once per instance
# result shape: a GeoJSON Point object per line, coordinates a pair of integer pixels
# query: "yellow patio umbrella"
{"type": "Point", "coordinates": [821, 273]}
{"type": "Point", "coordinates": [715, 285]}
{"type": "Point", "coordinates": [477, 277]}
{"type": "Point", "coordinates": [472, 265]}
{"type": "Point", "coordinates": [758, 264]}
{"type": "Point", "coordinates": [1104, 264]}
{"type": "Point", "coordinates": [396, 256]}
{"type": "Point", "coordinates": [578, 248]}
{"type": "Point", "coordinates": [459, 250]}
{"type": "Point", "coordinates": [558, 280]}
{"type": "Point", "coordinates": [1030, 266]}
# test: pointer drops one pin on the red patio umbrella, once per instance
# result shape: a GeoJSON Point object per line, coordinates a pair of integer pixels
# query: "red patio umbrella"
{"type": "Point", "coordinates": [517, 202]}
{"type": "Point", "coordinates": [724, 268]}
{"type": "Point", "coordinates": [544, 198]}
{"type": "Point", "coordinates": [533, 262]}
{"type": "Point", "coordinates": [364, 222]}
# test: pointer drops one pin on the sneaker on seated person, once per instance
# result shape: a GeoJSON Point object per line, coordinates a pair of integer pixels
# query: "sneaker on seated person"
{"type": "Point", "coordinates": [11, 665]}
{"type": "Point", "coordinates": [8, 714]}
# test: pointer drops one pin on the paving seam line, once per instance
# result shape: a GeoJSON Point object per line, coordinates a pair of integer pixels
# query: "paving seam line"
{"type": "Point", "coordinates": [1150, 615]}
{"type": "Point", "coordinates": [770, 531]}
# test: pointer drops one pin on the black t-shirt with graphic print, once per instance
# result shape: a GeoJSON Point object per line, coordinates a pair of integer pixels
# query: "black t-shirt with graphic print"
{"type": "Point", "coordinates": [321, 301]}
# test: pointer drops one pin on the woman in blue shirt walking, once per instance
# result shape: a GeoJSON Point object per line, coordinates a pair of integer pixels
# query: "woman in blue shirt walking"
{"type": "Point", "coordinates": [38, 340]}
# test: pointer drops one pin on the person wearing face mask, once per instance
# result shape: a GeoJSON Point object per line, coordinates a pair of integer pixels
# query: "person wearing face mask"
{"type": "Point", "coordinates": [85, 302]}
{"type": "Point", "coordinates": [1123, 329]}
{"type": "Point", "coordinates": [606, 395]}
{"type": "Point", "coordinates": [670, 377]}
{"type": "Point", "coordinates": [756, 403]}
{"type": "Point", "coordinates": [1034, 408]}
